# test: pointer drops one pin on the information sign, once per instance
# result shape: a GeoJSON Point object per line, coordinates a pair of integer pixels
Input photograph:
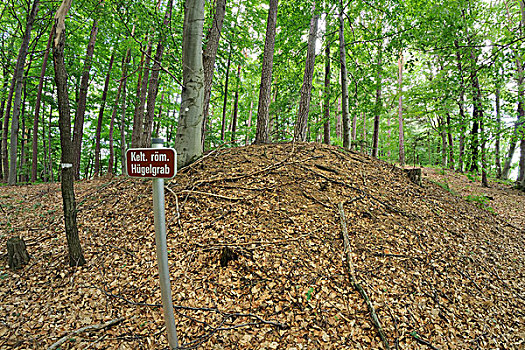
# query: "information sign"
{"type": "Point", "coordinates": [151, 162]}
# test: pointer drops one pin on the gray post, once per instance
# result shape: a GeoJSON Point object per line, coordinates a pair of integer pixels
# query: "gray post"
{"type": "Point", "coordinates": [162, 255]}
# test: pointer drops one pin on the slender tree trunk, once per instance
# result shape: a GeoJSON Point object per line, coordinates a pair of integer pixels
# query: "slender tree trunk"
{"type": "Point", "coordinates": [17, 87]}
{"type": "Point", "coordinates": [138, 117]}
{"type": "Point", "coordinates": [443, 135]}
{"type": "Point", "coordinates": [378, 106]}
{"type": "Point", "coordinates": [5, 129]}
{"type": "Point", "coordinates": [363, 144]}
{"type": "Point", "coordinates": [208, 58]}
{"type": "Point", "coordinates": [400, 111]}
{"type": "Point", "coordinates": [461, 105]}
{"type": "Point", "coordinates": [338, 121]}
{"type": "Point", "coordinates": [326, 104]}
{"type": "Point", "coordinates": [78, 130]}
{"type": "Point", "coordinates": [76, 256]}
{"type": "Point", "coordinates": [484, 180]}
{"type": "Point", "coordinates": [344, 81]}
{"type": "Point", "coordinates": [225, 97]}
{"type": "Point", "coordinates": [153, 87]}
{"type": "Point", "coordinates": [262, 134]}
{"type": "Point", "coordinates": [249, 125]}
{"type": "Point", "coordinates": [101, 115]}
{"type": "Point", "coordinates": [125, 61]}
{"type": "Point", "coordinates": [49, 137]}
{"type": "Point", "coordinates": [301, 125]}
{"type": "Point", "coordinates": [188, 139]}
{"type": "Point", "coordinates": [236, 105]}
{"type": "Point", "coordinates": [477, 119]}
{"type": "Point", "coordinates": [2, 114]}
{"type": "Point", "coordinates": [450, 143]}
{"type": "Point", "coordinates": [34, 165]}
{"type": "Point", "coordinates": [123, 144]}
{"type": "Point", "coordinates": [497, 146]}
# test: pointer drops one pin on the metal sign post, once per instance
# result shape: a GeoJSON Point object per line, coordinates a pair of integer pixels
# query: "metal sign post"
{"type": "Point", "coordinates": [158, 163]}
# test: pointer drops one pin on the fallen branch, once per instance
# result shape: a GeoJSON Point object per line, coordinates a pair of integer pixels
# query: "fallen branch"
{"type": "Point", "coordinates": [211, 195]}
{"type": "Point", "coordinates": [422, 341]}
{"type": "Point", "coordinates": [353, 279]}
{"type": "Point", "coordinates": [84, 329]}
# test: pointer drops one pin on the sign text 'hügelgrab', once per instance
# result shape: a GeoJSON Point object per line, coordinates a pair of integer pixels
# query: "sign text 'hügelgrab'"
{"type": "Point", "coordinates": [151, 162]}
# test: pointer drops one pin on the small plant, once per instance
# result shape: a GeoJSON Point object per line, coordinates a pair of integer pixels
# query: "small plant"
{"type": "Point", "coordinates": [445, 186]}
{"type": "Point", "coordinates": [309, 293]}
{"type": "Point", "coordinates": [480, 201]}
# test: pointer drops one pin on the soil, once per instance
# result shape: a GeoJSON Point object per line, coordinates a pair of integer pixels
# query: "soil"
{"type": "Point", "coordinates": [441, 272]}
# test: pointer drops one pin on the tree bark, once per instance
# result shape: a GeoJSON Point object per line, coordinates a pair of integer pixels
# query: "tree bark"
{"type": "Point", "coordinates": [17, 87]}
{"type": "Point", "coordinates": [461, 106]}
{"type": "Point", "coordinates": [301, 126]}
{"type": "Point", "coordinates": [76, 256]}
{"type": "Point", "coordinates": [497, 146]}
{"type": "Point", "coordinates": [208, 58]}
{"type": "Point", "coordinates": [344, 81]}
{"type": "Point", "coordinates": [225, 97]}
{"type": "Point", "coordinates": [78, 129]}
{"type": "Point", "coordinates": [400, 111]}
{"type": "Point", "coordinates": [153, 87]}
{"type": "Point", "coordinates": [34, 165]}
{"type": "Point", "coordinates": [378, 106]}
{"type": "Point", "coordinates": [326, 103]}
{"type": "Point", "coordinates": [122, 82]}
{"type": "Point", "coordinates": [101, 115]}
{"type": "Point", "coordinates": [138, 116]}
{"type": "Point", "coordinates": [3, 113]}
{"type": "Point", "coordinates": [236, 105]}
{"type": "Point", "coordinates": [262, 134]}
{"type": "Point", "coordinates": [188, 139]}
{"type": "Point", "coordinates": [450, 143]}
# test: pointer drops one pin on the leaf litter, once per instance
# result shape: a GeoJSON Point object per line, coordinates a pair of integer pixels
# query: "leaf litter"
{"type": "Point", "coordinates": [440, 272]}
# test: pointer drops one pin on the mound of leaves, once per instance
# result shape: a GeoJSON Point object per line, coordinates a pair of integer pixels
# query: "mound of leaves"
{"type": "Point", "coordinates": [257, 260]}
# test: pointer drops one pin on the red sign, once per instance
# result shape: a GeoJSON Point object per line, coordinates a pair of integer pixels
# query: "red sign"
{"type": "Point", "coordinates": [151, 162]}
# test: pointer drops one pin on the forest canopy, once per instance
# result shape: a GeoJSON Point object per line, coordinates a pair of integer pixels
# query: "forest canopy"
{"type": "Point", "coordinates": [414, 82]}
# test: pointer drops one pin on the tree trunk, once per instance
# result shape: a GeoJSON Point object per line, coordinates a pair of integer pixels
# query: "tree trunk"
{"type": "Point", "coordinates": [78, 129]}
{"type": "Point", "coordinates": [344, 81]}
{"type": "Point", "coordinates": [76, 256]}
{"type": "Point", "coordinates": [497, 146]}
{"type": "Point", "coordinates": [5, 129]}
{"type": "Point", "coordinates": [236, 105]}
{"type": "Point", "coordinates": [378, 106]}
{"type": "Point", "coordinates": [2, 114]}
{"type": "Point", "coordinates": [138, 116]}
{"type": "Point", "coordinates": [34, 165]}
{"type": "Point", "coordinates": [249, 122]}
{"type": "Point", "coordinates": [484, 180]}
{"type": "Point", "coordinates": [225, 97]}
{"type": "Point", "coordinates": [262, 134]}
{"type": "Point", "coordinates": [461, 105]}
{"type": "Point", "coordinates": [17, 255]}
{"type": "Point", "coordinates": [101, 115]}
{"type": "Point", "coordinates": [17, 87]}
{"type": "Point", "coordinates": [326, 103]}
{"type": "Point", "coordinates": [153, 87]}
{"type": "Point", "coordinates": [450, 143]}
{"type": "Point", "coordinates": [208, 59]}
{"type": "Point", "coordinates": [400, 111]}
{"type": "Point", "coordinates": [301, 125]}
{"type": "Point", "coordinates": [122, 82]}
{"type": "Point", "coordinates": [363, 144]}
{"type": "Point", "coordinates": [188, 139]}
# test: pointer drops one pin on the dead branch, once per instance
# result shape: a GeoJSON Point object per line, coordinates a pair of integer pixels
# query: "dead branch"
{"type": "Point", "coordinates": [422, 341]}
{"type": "Point", "coordinates": [84, 329]}
{"type": "Point", "coordinates": [353, 280]}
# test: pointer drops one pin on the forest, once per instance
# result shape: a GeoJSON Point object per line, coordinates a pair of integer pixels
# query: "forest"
{"type": "Point", "coordinates": [413, 82]}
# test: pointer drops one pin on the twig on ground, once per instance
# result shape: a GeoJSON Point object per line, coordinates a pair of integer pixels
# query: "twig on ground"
{"type": "Point", "coordinates": [422, 341]}
{"type": "Point", "coordinates": [84, 329]}
{"type": "Point", "coordinates": [353, 280]}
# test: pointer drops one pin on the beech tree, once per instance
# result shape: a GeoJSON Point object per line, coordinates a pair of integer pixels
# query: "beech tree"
{"type": "Point", "coordinates": [76, 256]}
{"type": "Point", "coordinates": [188, 139]}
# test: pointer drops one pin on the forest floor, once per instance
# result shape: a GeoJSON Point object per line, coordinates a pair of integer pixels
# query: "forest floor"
{"type": "Point", "coordinates": [442, 270]}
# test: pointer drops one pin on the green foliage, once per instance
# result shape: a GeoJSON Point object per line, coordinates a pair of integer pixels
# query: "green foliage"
{"type": "Point", "coordinates": [481, 201]}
